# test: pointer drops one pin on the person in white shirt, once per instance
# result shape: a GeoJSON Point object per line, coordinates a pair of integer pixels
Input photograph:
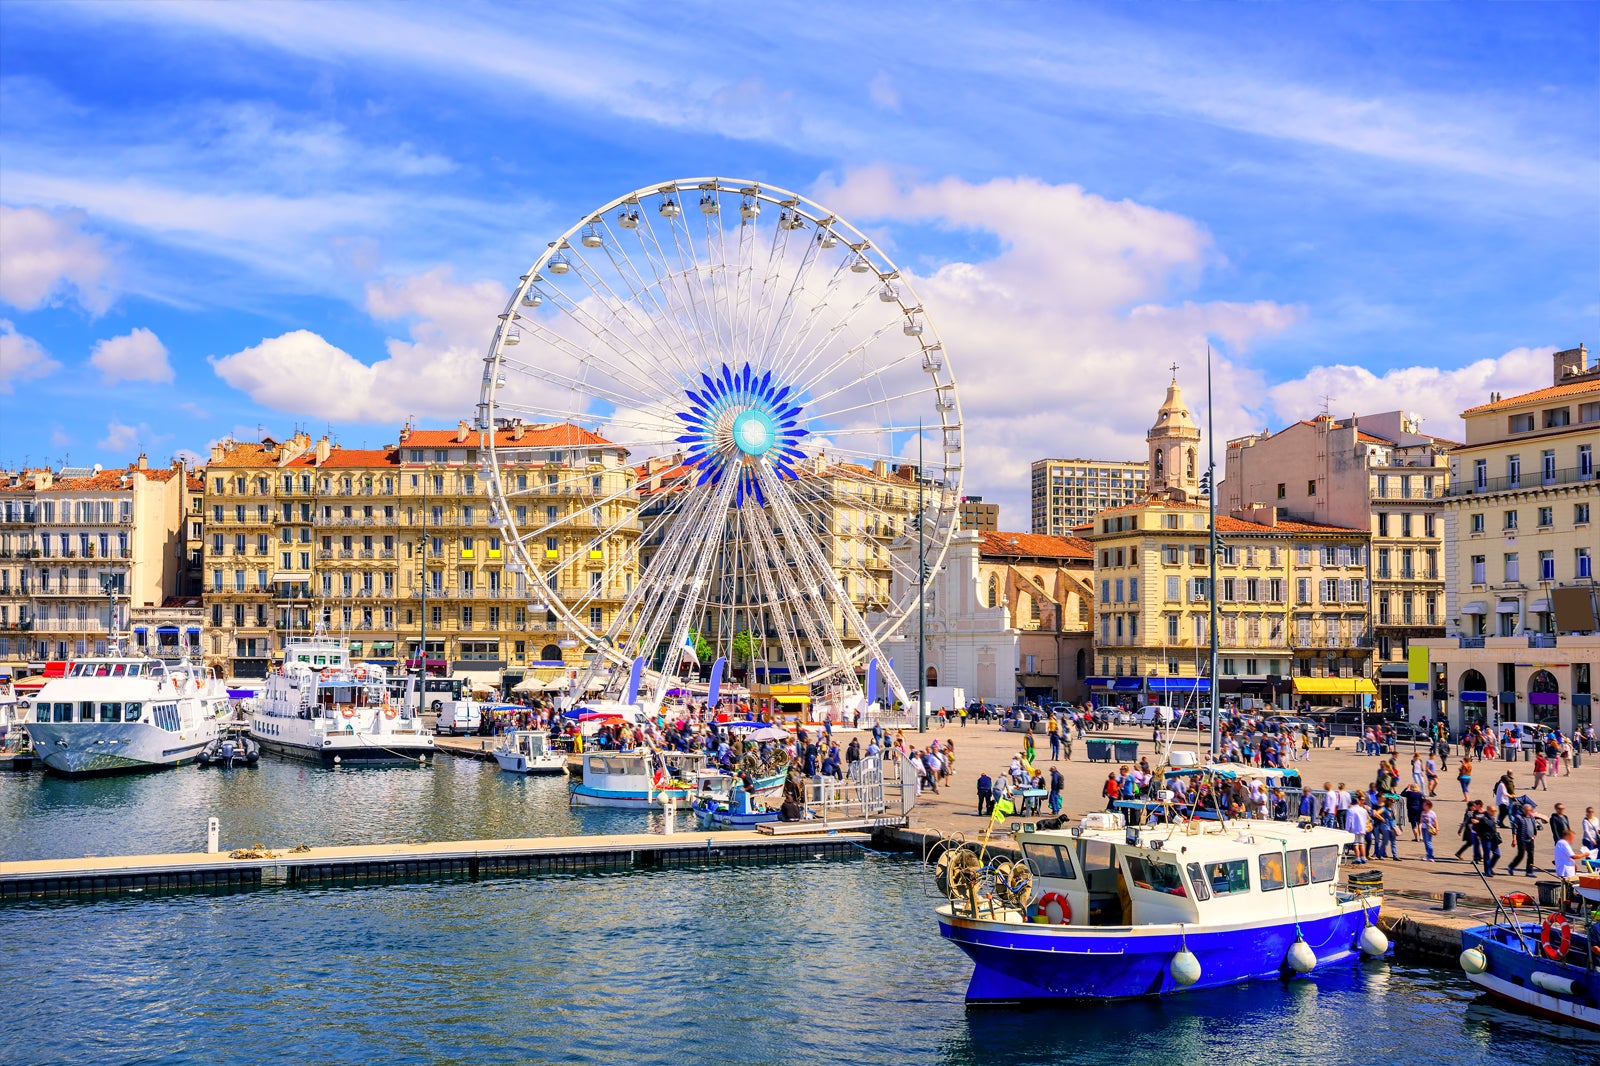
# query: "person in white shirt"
{"type": "Point", "coordinates": [1566, 858]}
{"type": "Point", "coordinates": [1357, 822]}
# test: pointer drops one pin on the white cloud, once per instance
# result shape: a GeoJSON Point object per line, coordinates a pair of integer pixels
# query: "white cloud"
{"type": "Point", "coordinates": [46, 254]}
{"type": "Point", "coordinates": [193, 409]}
{"type": "Point", "coordinates": [881, 91]}
{"type": "Point", "coordinates": [138, 356]}
{"type": "Point", "coordinates": [21, 358]}
{"type": "Point", "coordinates": [434, 374]}
{"type": "Point", "coordinates": [1438, 395]}
{"type": "Point", "coordinates": [59, 438]}
{"type": "Point", "coordinates": [1060, 343]}
{"type": "Point", "coordinates": [122, 438]}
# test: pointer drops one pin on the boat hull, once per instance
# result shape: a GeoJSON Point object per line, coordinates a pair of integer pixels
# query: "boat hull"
{"type": "Point", "coordinates": [521, 764]}
{"type": "Point", "coordinates": [1020, 962]}
{"type": "Point", "coordinates": [87, 748]}
{"type": "Point", "coordinates": [1510, 976]}
{"type": "Point", "coordinates": [589, 796]}
{"type": "Point", "coordinates": [386, 753]}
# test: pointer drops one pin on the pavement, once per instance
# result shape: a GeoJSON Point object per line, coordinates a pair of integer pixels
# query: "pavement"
{"type": "Point", "coordinates": [983, 747]}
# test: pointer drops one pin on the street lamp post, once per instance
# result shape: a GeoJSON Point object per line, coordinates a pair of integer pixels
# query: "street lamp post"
{"type": "Point", "coordinates": [922, 586]}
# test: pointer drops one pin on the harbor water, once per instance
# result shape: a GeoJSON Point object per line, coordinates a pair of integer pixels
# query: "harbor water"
{"type": "Point", "coordinates": [812, 961]}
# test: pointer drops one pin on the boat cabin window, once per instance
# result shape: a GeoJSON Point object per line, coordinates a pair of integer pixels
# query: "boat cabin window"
{"type": "Point", "coordinates": [132, 711]}
{"type": "Point", "coordinates": [1156, 875]}
{"type": "Point", "coordinates": [1271, 869]}
{"type": "Point", "coordinates": [1051, 860]}
{"type": "Point", "coordinates": [119, 670]}
{"type": "Point", "coordinates": [1299, 868]}
{"type": "Point", "coordinates": [1097, 855]}
{"type": "Point", "coordinates": [1325, 863]}
{"type": "Point", "coordinates": [63, 713]}
{"type": "Point", "coordinates": [1197, 879]}
{"type": "Point", "coordinates": [111, 712]}
{"type": "Point", "coordinates": [86, 710]}
{"type": "Point", "coordinates": [1228, 877]}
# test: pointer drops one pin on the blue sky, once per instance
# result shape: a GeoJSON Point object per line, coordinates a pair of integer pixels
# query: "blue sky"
{"type": "Point", "coordinates": [1397, 205]}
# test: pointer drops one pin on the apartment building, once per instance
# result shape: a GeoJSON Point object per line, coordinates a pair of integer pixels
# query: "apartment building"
{"type": "Point", "coordinates": [74, 541]}
{"type": "Point", "coordinates": [1292, 596]}
{"type": "Point", "coordinates": [400, 548]}
{"type": "Point", "coordinates": [1521, 535]}
{"type": "Point", "coordinates": [1067, 493]}
{"type": "Point", "coordinates": [1374, 472]}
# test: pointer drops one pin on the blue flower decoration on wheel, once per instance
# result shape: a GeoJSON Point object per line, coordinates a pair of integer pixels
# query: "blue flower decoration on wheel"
{"type": "Point", "coordinates": [739, 420]}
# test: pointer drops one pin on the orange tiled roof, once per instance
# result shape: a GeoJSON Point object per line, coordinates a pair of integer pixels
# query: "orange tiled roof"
{"type": "Point", "coordinates": [540, 436]}
{"type": "Point", "coordinates": [1554, 392]}
{"type": "Point", "coordinates": [1036, 545]}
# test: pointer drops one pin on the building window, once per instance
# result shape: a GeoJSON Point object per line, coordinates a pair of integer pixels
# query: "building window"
{"type": "Point", "coordinates": [1311, 487]}
{"type": "Point", "coordinates": [1547, 516]}
{"type": "Point", "coordinates": [1513, 568]}
{"type": "Point", "coordinates": [1479, 569]}
{"type": "Point", "coordinates": [1510, 520]}
{"type": "Point", "coordinates": [1585, 461]}
{"type": "Point", "coordinates": [1480, 474]}
{"type": "Point", "coordinates": [1580, 514]}
{"type": "Point", "coordinates": [1583, 564]}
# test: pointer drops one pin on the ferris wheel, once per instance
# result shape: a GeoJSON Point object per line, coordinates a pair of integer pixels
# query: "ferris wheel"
{"type": "Point", "coordinates": [792, 425]}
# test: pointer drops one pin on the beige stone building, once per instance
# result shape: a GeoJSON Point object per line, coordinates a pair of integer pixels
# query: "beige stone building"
{"type": "Point", "coordinates": [1066, 493]}
{"type": "Point", "coordinates": [69, 536]}
{"type": "Point", "coordinates": [1521, 535]}
{"type": "Point", "coordinates": [1291, 595]}
{"type": "Point", "coordinates": [399, 548]}
{"type": "Point", "coordinates": [1376, 472]}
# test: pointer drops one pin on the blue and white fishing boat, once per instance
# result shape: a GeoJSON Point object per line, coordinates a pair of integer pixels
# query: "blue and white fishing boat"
{"type": "Point", "coordinates": [1549, 966]}
{"type": "Point", "coordinates": [1102, 910]}
{"type": "Point", "coordinates": [724, 803]}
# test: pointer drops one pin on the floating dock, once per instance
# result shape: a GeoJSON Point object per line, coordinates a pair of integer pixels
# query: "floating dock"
{"type": "Point", "coordinates": [99, 877]}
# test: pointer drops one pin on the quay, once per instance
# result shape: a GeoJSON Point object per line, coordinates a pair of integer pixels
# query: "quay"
{"type": "Point", "coordinates": [97, 877]}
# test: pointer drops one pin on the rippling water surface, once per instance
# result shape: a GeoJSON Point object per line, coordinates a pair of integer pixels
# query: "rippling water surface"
{"type": "Point", "coordinates": [831, 961]}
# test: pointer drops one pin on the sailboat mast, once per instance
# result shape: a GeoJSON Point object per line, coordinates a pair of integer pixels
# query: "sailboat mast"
{"type": "Point", "coordinates": [1211, 499]}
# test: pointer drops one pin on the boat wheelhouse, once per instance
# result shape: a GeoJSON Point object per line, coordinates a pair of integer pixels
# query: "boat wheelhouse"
{"type": "Point", "coordinates": [1102, 910]}
{"type": "Point", "coordinates": [321, 708]}
{"type": "Point", "coordinates": [529, 751]}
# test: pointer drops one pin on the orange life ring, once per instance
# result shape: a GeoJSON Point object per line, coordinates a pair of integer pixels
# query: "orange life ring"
{"type": "Point", "coordinates": [1057, 898]}
{"type": "Point", "coordinates": [360, 672]}
{"type": "Point", "coordinates": [1552, 922]}
{"type": "Point", "coordinates": [327, 673]}
{"type": "Point", "coordinates": [388, 711]}
{"type": "Point", "coordinates": [348, 712]}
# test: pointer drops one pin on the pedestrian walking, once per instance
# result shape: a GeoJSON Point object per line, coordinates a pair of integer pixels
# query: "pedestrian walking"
{"type": "Point", "coordinates": [1559, 822]}
{"type": "Point", "coordinates": [1470, 838]}
{"type": "Point", "coordinates": [1057, 784]}
{"type": "Point", "coordinates": [1591, 830]}
{"type": "Point", "coordinates": [985, 794]}
{"type": "Point", "coordinates": [1524, 830]}
{"type": "Point", "coordinates": [1430, 829]}
{"type": "Point", "coordinates": [1464, 775]}
{"type": "Point", "coordinates": [1488, 841]}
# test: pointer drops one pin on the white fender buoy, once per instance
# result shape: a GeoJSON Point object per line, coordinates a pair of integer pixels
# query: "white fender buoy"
{"type": "Point", "coordinates": [1373, 942]}
{"type": "Point", "coordinates": [1301, 959]}
{"type": "Point", "coordinates": [1184, 967]}
{"type": "Point", "coordinates": [1563, 986]}
{"type": "Point", "coordinates": [337, 760]}
{"type": "Point", "coordinates": [1473, 960]}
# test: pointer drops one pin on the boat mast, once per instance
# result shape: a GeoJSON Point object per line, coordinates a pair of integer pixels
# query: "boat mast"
{"type": "Point", "coordinates": [1211, 500]}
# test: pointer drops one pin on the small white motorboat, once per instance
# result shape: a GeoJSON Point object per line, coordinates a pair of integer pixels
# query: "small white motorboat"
{"type": "Point", "coordinates": [528, 751]}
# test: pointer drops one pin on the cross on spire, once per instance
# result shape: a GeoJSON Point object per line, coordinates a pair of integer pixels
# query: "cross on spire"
{"type": "Point", "coordinates": [1174, 369]}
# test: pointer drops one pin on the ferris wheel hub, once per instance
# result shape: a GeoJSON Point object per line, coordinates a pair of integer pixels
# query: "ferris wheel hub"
{"type": "Point", "coordinates": [754, 432]}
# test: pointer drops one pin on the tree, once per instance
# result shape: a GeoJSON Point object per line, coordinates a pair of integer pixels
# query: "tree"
{"type": "Point", "coordinates": [746, 646]}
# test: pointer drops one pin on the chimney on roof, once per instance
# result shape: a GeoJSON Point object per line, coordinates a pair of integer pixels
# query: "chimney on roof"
{"type": "Point", "coordinates": [144, 461]}
{"type": "Point", "coordinates": [1574, 362]}
{"type": "Point", "coordinates": [405, 432]}
{"type": "Point", "coordinates": [43, 478]}
{"type": "Point", "coordinates": [517, 429]}
{"type": "Point", "coordinates": [1259, 513]}
{"type": "Point", "coordinates": [461, 432]}
{"type": "Point", "coordinates": [323, 451]}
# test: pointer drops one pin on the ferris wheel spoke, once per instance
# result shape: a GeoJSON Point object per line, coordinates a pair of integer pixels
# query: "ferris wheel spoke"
{"type": "Point", "coordinates": [613, 352]}
{"type": "Point", "coordinates": [658, 354]}
{"type": "Point", "coordinates": [789, 343]}
{"type": "Point", "coordinates": [783, 599]}
{"type": "Point", "coordinates": [656, 302]}
{"type": "Point", "coordinates": [807, 348]}
{"type": "Point", "coordinates": [571, 383]}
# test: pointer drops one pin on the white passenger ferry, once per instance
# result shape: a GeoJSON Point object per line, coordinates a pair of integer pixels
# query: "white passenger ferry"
{"type": "Point", "coordinates": [320, 708]}
{"type": "Point", "coordinates": [121, 713]}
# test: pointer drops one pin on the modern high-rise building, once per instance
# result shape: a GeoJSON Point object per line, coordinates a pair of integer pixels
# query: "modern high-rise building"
{"type": "Point", "coordinates": [398, 549]}
{"type": "Point", "coordinates": [77, 540]}
{"type": "Point", "coordinates": [1521, 532]}
{"type": "Point", "coordinates": [1067, 493]}
{"type": "Point", "coordinates": [1374, 472]}
{"type": "Point", "coordinates": [975, 514]}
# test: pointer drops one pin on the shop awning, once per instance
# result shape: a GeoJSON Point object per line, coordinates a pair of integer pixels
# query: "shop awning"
{"type": "Point", "coordinates": [481, 679]}
{"type": "Point", "coordinates": [1476, 607]}
{"type": "Point", "coordinates": [1539, 606]}
{"type": "Point", "coordinates": [1580, 699]}
{"type": "Point", "coordinates": [1474, 696]}
{"type": "Point", "coordinates": [1180, 684]}
{"type": "Point", "coordinates": [1334, 686]}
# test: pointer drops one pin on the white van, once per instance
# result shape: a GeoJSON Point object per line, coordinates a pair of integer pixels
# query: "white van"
{"type": "Point", "coordinates": [1156, 714]}
{"type": "Point", "coordinates": [450, 699]}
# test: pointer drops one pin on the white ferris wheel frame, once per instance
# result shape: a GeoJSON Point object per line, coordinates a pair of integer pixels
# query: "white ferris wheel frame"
{"type": "Point", "coordinates": [937, 512]}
